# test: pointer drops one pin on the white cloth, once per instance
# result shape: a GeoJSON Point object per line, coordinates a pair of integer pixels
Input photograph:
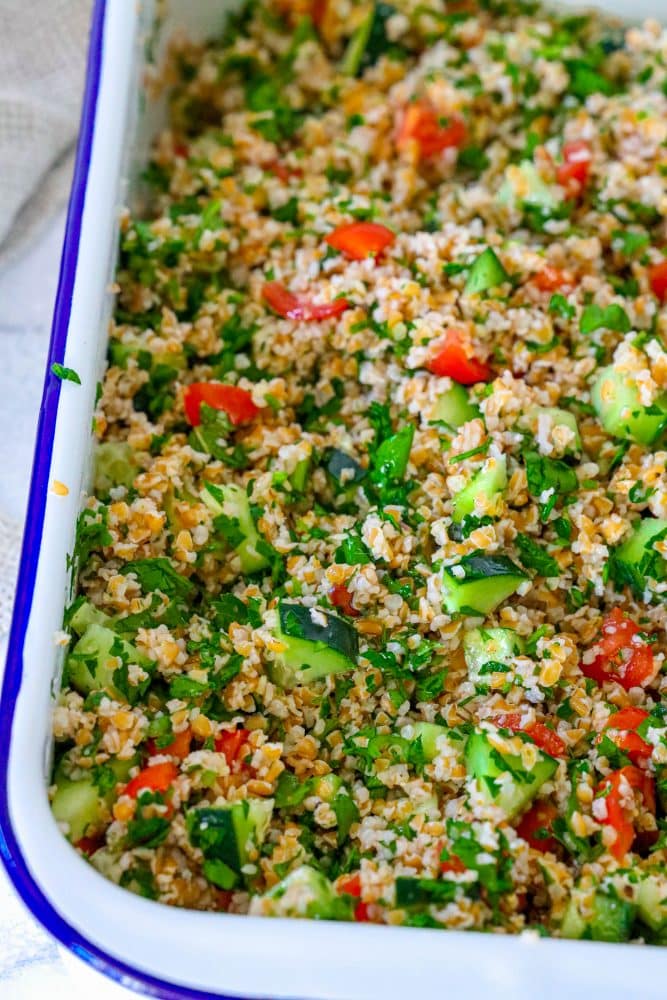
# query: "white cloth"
{"type": "Point", "coordinates": [42, 60]}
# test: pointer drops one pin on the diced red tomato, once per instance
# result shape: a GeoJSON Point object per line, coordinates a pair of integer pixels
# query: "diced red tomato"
{"type": "Point", "coordinates": [341, 598]}
{"type": "Point", "coordinates": [88, 845]}
{"type": "Point", "coordinates": [456, 360]}
{"type": "Point", "coordinates": [620, 818]}
{"type": "Point", "coordinates": [230, 743]}
{"type": "Point", "coordinates": [181, 149]}
{"type": "Point", "coordinates": [552, 279]}
{"type": "Point", "coordinates": [572, 174]}
{"type": "Point", "coordinates": [622, 726]}
{"type": "Point", "coordinates": [420, 124]}
{"type": "Point", "coordinates": [361, 914]}
{"type": "Point", "coordinates": [179, 746]}
{"type": "Point", "coordinates": [289, 306]}
{"type": "Point", "coordinates": [223, 898]}
{"type": "Point", "coordinates": [543, 737]}
{"type": "Point", "coordinates": [351, 884]}
{"type": "Point", "coordinates": [620, 655]}
{"type": "Point", "coordinates": [535, 826]}
{"type": "Point", "coordinates": [657, 276]}
{"type": "Point", "coordinates": [453, 864]}
{"type": "Point", "coordinates": [235, 402]}
{"type": "Point", "coordinates": [156, 778]}
{"type": "Point", "coordinates": [282, 171]}
{"type": "Point", "coordinates": [359, 240]}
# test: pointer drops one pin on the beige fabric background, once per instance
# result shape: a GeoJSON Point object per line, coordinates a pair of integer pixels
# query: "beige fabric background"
{"type": "Point", "coordinates": [42, 61]}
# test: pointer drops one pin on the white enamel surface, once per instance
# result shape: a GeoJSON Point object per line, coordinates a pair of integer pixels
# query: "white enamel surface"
{"type": "Point", "coordinates": [237, 955]}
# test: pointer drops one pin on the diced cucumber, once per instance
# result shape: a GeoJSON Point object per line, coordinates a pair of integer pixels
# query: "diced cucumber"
{"type": "Point", "coordinates": [486, 272]}
{"type": "Point", "coordinates": [232, 502]}
{"type": "Point", "coordinates": [636, 561]}
{"type": "Point", "coordinates": [115, 465]}
{"type": "Point", "coordinates": [87, 614]}
{"type": "Point", "coordinates": [644, 535]}
{"type": "Point", "coordinates": [609, 916]}
{"type": "Point", "coordinates": [316, 643]}
{"type": "Point", "coordinates": [518, 786]}
{"type": "Point", "coordinates": [559, 418]}
{"type": "Point", "coordinates": [429, 733]}
{"type": "Point", "coordinates": [97, 656]}
{"type": "Point", "coordinates": [78, 800]}
{"type": "Point", "coordinates": [615, 396]}
{"type": "Point", "coordinates": [454, 408]}
{"type": "Point", "coordinates": [479, 583]}
{"type": "Point", "coordinates": [79, 804]}
{"type": "Point", "coordinates": [652, 900]}
{"type": "Point", "coordinates": [490, 481]}
{"type": "Point", "coordinates": [227, 834]}
{"type": "Point", "coordinates": [305, 892]}
{"type": "Point", "coordinates": [490, 645]}
{"type": "Point", "coordinates": [523, 185]}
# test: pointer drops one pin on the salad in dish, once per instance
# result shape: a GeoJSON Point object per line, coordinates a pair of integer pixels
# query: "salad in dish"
{"type": "Point", "coordinates": [370, 587]}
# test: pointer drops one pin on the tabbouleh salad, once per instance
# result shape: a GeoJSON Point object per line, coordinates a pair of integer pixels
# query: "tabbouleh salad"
{"type": "Point", "coordinates": [371, 611]}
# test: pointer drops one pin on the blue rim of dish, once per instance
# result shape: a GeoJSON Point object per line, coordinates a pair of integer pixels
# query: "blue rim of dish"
{"type": "Point", "coordinates": [10, 851]}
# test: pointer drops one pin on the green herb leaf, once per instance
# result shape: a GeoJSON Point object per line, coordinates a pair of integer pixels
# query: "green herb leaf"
{"type": "Point", "coordinates": [534, 556]}
{"type": "Point", "coordinates": [65, 374]}
{"type": "Point", "coordinates": [613, 317]}
{"type": "Point", "coordinates": [159, 574]}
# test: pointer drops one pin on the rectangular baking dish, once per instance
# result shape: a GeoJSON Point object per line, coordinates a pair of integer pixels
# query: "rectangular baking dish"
{"type": "Point", "coordinates": [158, 950]}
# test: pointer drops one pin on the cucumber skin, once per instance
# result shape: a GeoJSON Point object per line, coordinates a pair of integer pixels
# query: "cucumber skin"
{"type": "Point", "coordinates": [481, 763]}
{"type": "Point", "coordinates": [615, 398]}
{"type": "Point", "coordinates": [482, 596]}
{"type": "Point", "coordinates": [488, 482]}
{"type": "Point", "coordinates": [234, 826]}
{"type": "Point", "coordinates": [294, 665]}
{"type": "Point", "coordinates": [312, 651]}
{"type": "Point", "coordinates": [339, 461]}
